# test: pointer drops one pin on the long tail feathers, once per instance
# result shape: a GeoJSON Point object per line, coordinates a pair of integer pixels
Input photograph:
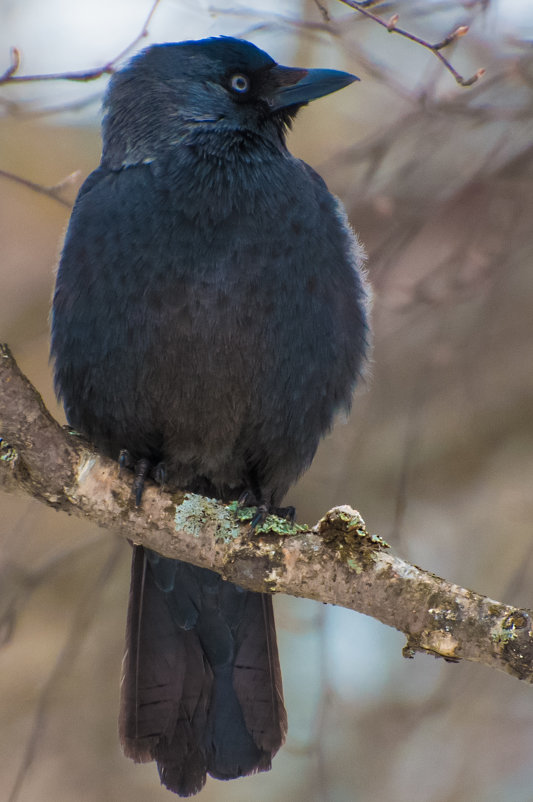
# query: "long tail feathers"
{"type": "Point", "coordinates": [201, 687]}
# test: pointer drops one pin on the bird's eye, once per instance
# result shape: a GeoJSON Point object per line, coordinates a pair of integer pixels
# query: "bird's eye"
{"type": "Point", "coordinates": [240, 83]}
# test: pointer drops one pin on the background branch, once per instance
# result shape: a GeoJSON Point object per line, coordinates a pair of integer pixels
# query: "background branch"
{"type": "Point", "coordinates": [337, 561]}
{"type": "Point", "coordinates": [54, 192]}
{"type": "Point", "coordinates": [10, 75]}
{"type": "Point", "coordinates": [391, 25]}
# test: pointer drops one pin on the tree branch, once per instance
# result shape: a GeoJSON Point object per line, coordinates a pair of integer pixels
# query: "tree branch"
{"type": "Point", "coordinates": [391, 25]}
{"type": "Point", "coordinates": [10, 75]}
{"type": "Point", "coordinates": [337, 561]}
{"type": "Point", "coordinates": [54, 192]}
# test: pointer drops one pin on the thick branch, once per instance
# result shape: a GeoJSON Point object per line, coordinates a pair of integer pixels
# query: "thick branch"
{"type": "Point", "coordinates": [337, 561]}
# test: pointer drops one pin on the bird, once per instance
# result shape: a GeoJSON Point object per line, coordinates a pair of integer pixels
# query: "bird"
{"type": "Point", "coordinates": [210, 319]}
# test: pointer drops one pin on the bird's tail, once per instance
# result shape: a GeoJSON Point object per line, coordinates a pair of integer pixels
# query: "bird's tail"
{"type": "Point", "coordinates": [201, 684]}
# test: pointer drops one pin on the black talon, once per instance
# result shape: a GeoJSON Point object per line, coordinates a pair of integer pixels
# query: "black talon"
{"type": "Point", "coordinates": [160, 474]}
{"type": "Point", "coordinates": [252, 498]}
{"type": "Point", "coordinates": [263, 510]}
{"type": "Point", "coordinates": [289, 513]}
{"type": "Point", "coordinates": [124, 459]}
{"type": "Point", "coordinates": [260, 516]}
{"type": "Point", "coordinates": [142, 469]}
{"type": "Point", "coordinates": [246, 499]}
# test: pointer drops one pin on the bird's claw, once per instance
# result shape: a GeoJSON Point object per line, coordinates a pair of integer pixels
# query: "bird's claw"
{"type": "Point", "coordinates": [142, 469]}
{"type": "Point", "coordinates": [125, 460]}
{"type": "Point", "coordinates": [247, 498]}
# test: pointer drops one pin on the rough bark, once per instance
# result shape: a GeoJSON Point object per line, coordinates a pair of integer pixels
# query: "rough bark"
{"type": "Point", "coordinates": [337, 561]}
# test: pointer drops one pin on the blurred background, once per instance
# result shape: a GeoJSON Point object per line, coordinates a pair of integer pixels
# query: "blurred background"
{"type": "Point", "coordinates": [437, 454]}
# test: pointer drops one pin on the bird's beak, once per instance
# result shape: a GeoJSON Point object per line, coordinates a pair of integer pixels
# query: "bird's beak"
{"type": "Point", "coordinates": [294, 87]}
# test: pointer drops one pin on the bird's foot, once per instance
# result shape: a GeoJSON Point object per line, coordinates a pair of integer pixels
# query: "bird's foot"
{"type": "Point", "coordinates": [160, 475]}
{"type": "Point", "coordinates": [289, 513]}
{"type": "Point", "coordinates": [142, 468]}
{"type": "Point", "coordinates": [260, 516]}
{"type": "Point", "coordinates": [125, 460]}
{"type": "Point", "coordinates": [249, 499]}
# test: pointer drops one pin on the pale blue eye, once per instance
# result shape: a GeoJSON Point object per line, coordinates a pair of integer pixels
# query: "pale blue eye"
{"type": "Point", "coordinates": [240, 83]}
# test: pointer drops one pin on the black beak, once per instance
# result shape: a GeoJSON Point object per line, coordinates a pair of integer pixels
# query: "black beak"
{"type": "Point", "coordinates": [294, 87]}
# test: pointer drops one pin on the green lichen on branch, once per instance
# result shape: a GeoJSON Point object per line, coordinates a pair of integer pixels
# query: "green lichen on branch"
{"type": "Point", "coordinates": [346, 525]}
{"type": "Point", "coordinates": [511, 628]}
{"type": "Point", "coordinates": [7, 452]}
{"type": "Point", "coordinates": [344, 529]}
{"type": "Point", "coordinates": [194, 512]}
{"type": "Point", "coordinates": [272, 525]}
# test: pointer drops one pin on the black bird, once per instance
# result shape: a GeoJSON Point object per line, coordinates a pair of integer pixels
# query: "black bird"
{"type": "Point", "coordinates": [209, 320]}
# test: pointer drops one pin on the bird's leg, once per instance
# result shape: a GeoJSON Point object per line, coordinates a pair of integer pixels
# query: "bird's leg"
{"type": "Point", "coordinates": [260, 516]}
{"type": "Point", "coordinates": [160, 475]}
{"type": "Point", "coordinates": [289, 513]}
{"type": "Point", "coordinates": [253, 498]}
{"type": "Point", "coordinates": [266, 509]}
{"type": "Point", "coordinates": [125, 460]}
{"type": "Point", "coordinates": [249, 498]}
{"type": "Point", "coordinates": [142, 469]}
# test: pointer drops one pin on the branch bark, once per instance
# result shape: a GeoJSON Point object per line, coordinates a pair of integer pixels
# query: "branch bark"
{"type": "Point", "coordinates": [337, 561]}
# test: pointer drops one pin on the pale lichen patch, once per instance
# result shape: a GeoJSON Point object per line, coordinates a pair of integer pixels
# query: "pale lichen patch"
{"type": "Point", "coordinates": [441, 643]}
{"type": "Point", "coordinates": [85, 466]}
{"type": "Point", "coordinates": [195, 513]}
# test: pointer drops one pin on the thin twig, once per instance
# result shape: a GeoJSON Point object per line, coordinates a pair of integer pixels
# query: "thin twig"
{"type": "Point", "coordinates": [391, 26]}
{"type": "Point", "coordinates": [21, 110]}
{"type": "Point", "coordinates": [52, 192]}
{"type": "Point", "coordinates": [10, 76]}
{"type": "Point", "coordinates": [82, 620]}
{"type": "Point", "coordinates": [18, 582]}
{"type": "Point", "coordinates": [13, 67]}
{"type": "Point", "coordinates": [323, 11]}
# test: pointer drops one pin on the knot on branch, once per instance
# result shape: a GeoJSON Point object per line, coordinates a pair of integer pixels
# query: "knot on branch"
{"type": "Point", "coordinates": [344, 530]}
{"type": "Point", "coordinates": [345, 525]}
{"type": "Point", "coordinates": [514, 639]}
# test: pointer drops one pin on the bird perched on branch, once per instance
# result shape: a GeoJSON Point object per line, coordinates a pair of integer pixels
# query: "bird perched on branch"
{"type": "Point", "coordinates": [209, 320]}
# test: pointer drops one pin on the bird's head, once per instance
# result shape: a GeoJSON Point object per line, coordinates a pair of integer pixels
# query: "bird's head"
{"type": "Point", "coordinates": [170, 93]}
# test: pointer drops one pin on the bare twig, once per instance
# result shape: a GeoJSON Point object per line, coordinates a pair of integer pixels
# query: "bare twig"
{"type": "Point", "coordinates": [13, 67]}
{"type": "Point", "coordinates": [24, 110]}
{"type": "Point", "coordinates": [337, 561]}
{"type": "Point", "coordinates": [10, 75]}
{"type": "Point", "coordinates": [362, 7]}
{"type": "Point", "coordinates": [83, 617]}
{"type": "Point", "coordinates": [391, 25]}
{"type": "Point", "coordinates": [18, 582]}
{"type": "Point", "coordinates": [323, 11]}
{"type": "Point", "coordinates": [52, 192]}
